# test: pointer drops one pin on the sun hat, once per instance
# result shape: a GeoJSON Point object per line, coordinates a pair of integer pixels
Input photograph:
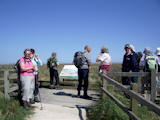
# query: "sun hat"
{"type": "Point", "coordinates": [132, 47]}
{"type": "Point", "coordinates": [157, 51]}
{"type": "Point", "coordinates": [126, 46]}
{"type": "Point", "coordinates": [147, 51]}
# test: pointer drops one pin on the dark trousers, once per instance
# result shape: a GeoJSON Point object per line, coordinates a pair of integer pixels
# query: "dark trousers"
{"type": "Point", "coordinates": [83, 75]}
{"type": "Point", "coordinates": [126, 80]}
{"type": "Point", "coordinates": [36, 90]}
{"type": "Point", "coordinates": [54, 73]}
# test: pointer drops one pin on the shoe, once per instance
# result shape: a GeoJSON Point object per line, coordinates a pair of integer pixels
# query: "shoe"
{"type": "Point", "coordinates": [32, 101]}
{"type": "Point", "coordinates": [58, 87]}
{"type": "Point", "coordinates": [52, 87]}
{"type": "Point", "coordinates": [36, 99]}
{"type": "Point", "coordinates": [29, 104]}
{"type": "Point", "coordinates": [87, 97]}
{"type": "Point", "coordinates": [25, 105]}
{"type": "Point", "coordinates": [126, 95]}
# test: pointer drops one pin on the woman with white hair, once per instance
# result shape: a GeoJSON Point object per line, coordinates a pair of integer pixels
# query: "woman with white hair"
{"type": "Point", "coordinates": [104, 59]}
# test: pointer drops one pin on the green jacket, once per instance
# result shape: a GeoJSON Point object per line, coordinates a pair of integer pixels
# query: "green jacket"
{"type": "Point", "coordinates": [52, 62]}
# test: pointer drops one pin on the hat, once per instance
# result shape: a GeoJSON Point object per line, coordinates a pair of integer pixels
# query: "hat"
{"type": "Point", "coordinates": [132, 47]}
{"type": "Point", "coordinates": [127, 46]}
{"type": "Point", "coordinates": [147, 51]}
{"type": "Point", "coordinates": [157, 51]}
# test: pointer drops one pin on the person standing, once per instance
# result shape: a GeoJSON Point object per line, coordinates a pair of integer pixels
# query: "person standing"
{"type": "Point", "coordinates": [52, 64]}
{"type": "Point", "coordinates": [126, 65]}
{"type": "Point", "coordinates": [37, 62]}
{"type": "Point", "coordinates": [105, 59]}
{"type": "Point", "coordinates": [83, 72]}
{"type": "Point", "coordinates": [26, 78]}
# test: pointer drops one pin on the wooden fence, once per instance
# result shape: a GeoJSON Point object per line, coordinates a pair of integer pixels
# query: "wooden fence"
{"type": "Point", "coordinates": [5, 85]}
{"type": "Point", "coordinates": [134, 95]}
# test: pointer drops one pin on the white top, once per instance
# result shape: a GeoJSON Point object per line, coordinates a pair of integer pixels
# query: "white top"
{"type": "Point", "coordinates": [104, 58]}
{"type": "Point", "coordinates": [36, 62]}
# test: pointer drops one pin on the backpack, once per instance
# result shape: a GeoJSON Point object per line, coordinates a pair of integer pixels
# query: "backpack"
{"type": "Point", "coordinates": [17, 66]}
{"type": "Point", "coordinates": [79, 59]}
{"type": "Point", "coordinates": [52, 62]}
{"type": "Point", "coordinates": [151, 63]}
{"type": "Point", "coordinates": [139, 54]}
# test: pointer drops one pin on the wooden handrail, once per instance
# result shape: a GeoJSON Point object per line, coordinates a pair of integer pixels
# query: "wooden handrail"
{"type": "Point", "coordinates": [152, 106]}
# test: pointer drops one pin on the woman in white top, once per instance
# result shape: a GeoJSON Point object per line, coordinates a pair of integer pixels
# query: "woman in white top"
{"type": "Point", "coordinates": [104, 59]}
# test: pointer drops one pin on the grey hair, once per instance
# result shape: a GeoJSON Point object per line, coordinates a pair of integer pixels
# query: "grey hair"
{"type": "Point", "coordinates": [104, 50]}
{"type": "Point", "coordinates": [53, 53]}
{"type": "Point", "coordinates": [85, 48]}
{"type": "Point", "coordinates": [27, 50]}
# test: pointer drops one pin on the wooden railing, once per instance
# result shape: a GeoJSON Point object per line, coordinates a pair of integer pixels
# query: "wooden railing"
{"type": "Point", "coordinates": [132, 92]}
{"type": "Point", "coordinates": [5, 85]}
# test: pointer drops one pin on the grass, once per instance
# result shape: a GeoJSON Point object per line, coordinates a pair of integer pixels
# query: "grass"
{"type": "Point", "coordinates": [11, 110]}
{"type": "Point", "coordinates": [104, 109]}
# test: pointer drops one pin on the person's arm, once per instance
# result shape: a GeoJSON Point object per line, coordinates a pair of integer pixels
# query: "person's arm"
{"type": "Point", "coordinates": [57, 63]}
{"type": "Point", "coordinates": [23, 69]}
{"type": "Point", "coordinates": [88, 59]}
{"type": "Point", "coordinates": [38, 60]}
{"type": "Point", "coordinates": [133, 62]}
{"type": "Point", "coordinates": [98, 59]}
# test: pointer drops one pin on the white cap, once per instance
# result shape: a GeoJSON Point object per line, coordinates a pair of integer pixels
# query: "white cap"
{"type": "Point", "coordinates": [157, 51]}
{"type": "Point", "coordinates": [132, 47]}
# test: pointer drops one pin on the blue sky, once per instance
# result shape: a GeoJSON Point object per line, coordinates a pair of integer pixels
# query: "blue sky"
{"type": "Point", "coordinates": [66, 26]}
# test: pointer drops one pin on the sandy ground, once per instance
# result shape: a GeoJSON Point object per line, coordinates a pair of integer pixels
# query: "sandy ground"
{"type": "Point", "coordinates": [62, 105]}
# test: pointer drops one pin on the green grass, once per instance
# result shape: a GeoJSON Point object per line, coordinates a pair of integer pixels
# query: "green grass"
{"type": "Point", "coordinates": [105, 109]}
{"type": "Point", "coordinates": [11, 110]}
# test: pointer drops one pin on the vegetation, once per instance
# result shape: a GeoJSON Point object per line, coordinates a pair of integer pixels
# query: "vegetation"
{"type": "Point", "coordinates": [11, 110]}
{"type": "Point", "coordinates": [104, 109]}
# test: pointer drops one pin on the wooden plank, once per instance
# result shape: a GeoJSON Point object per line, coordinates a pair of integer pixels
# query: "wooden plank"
{"type": "Point", "coordinates": [12, 76]}
{"type": "Point", "coordinates": [12, 89]}
{"type": "Point", "coordinates": [1, 82]}
{"type": "Point", "coordinates": [152, 106]}
{"type": "Point", "coordinates": [133, 102]}
{"type": "Point", "coordinates": [128, 74]}
{"type": "Point", "coordinates": [1, 88]}
{"type": "Point", "coordinates": [153, 85]}
{"type": "Point", "coordinates": [6, 85]}
{"type": "Point", "coordinates": [121, 105]}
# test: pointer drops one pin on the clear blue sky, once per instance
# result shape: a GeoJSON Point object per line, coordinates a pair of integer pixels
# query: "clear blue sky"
{"type": "Point", "coordinates": [66, 26]}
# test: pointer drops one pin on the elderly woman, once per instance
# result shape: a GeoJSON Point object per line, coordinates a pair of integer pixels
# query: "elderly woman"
{"type": "Point", "coordinates": [104, 59]}
{"type": "Point", "coordinates": [27, 78]}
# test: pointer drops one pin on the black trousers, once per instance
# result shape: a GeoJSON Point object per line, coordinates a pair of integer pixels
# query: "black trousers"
{"type": "Point", "coordinates": [36, 90]}
{"type": "Point", "coordinates": [83, 76]}
{"type": "Point", "coordinates": [54, 74]}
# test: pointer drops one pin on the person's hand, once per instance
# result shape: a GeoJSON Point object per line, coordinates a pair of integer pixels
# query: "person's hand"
{"type": "Point", "coordinates": [33, 67]}
{"type": "Point", "coordinates": [37, 56]}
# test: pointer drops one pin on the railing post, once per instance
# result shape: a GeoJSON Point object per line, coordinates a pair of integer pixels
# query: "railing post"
{"type": "Point", "coordinates": [153, 85]}
{"type": "Point", "coordinates": [133, 102]}
{"type": "Point", "coordinates": [6, 85]}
